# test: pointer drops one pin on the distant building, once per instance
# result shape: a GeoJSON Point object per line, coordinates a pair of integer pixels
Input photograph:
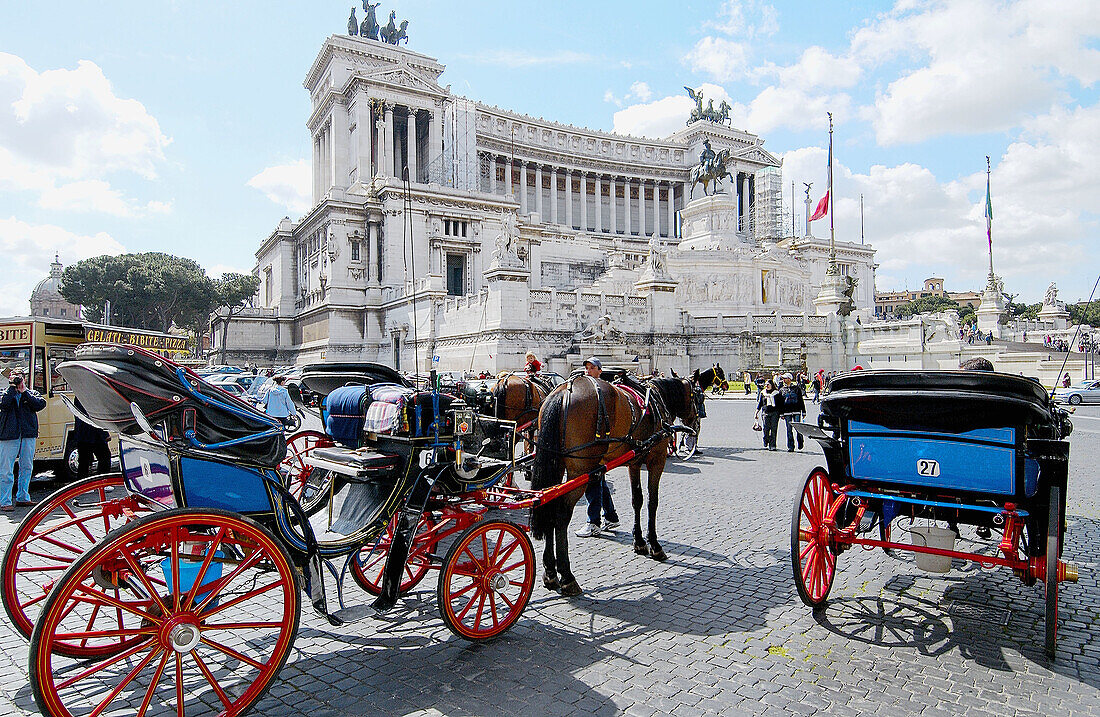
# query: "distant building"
{"type": "Point", "coordinates": [888, 302]}
{"type": "Point", "coordinates": [46, 299]}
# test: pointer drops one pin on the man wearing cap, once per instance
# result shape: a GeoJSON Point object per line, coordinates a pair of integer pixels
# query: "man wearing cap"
{"type": "Point", "coordinates": [599, 497]}
{"type": "Point", "coordinates": [19, 407]}
{"type": "Point", "coordinates": [794, 408]}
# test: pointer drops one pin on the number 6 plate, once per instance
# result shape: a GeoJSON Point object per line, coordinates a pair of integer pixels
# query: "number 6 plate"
{"type": "Point", "coordinates": [928, 467]}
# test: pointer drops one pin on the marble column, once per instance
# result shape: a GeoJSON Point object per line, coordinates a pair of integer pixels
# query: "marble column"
{"type": "Point", "coordinates": [553, 195]}
{"type": "Point", "coordinates": [746, 203]}
{"type": "Point", "coordinates": [584, 201]}
{"type": "Point", "coordinates": [522, 187]}
{"type": "Point", "coordinates": [671, 210]}
{"type": "Point", "coordinates": [657, 209]}
{"type": "Point", "coordinates": [538, 192]}
{"type": "Point", "coordinates": [492, 174]}
{"type": "Point", "coordinates": [627, 219]}
{"type": "Point", "coordinates": [569, 198]}
{"type": "Point", "coordinates": [363, 135]}
{"type": "Point", "coordinates": [599, 204]}
{"type": "Point", "coordinates": [410, 147]}
{"type": "Point", "coordinates": [509, 191]}
{"type": "Point", "coordinates": [316, 167]}
{"type": "Point", "coordinates": [388, 142]}
{"type": "Point", "coordinates": [380, 144]}
{"type": "Point", "coordinates": [435, 172]}
{"type": "Point", "coordinates": [611, 204]}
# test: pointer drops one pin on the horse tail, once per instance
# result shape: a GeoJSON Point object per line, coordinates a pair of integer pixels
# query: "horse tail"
{"type": "Point", "coordinates": [549, 464]}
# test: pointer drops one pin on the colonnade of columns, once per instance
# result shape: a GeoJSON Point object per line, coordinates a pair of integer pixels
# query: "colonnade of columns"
{"type": "Point", "coordinates": [589, 201]}
{"type": "Point", "coordinates": [386, 138]}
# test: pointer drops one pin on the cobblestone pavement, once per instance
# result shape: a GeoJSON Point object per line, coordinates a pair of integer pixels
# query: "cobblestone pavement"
{"type": "Point", "coordinates": [718, 629]}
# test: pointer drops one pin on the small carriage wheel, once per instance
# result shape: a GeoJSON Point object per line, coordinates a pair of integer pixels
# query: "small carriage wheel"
{"type": "Point", "coordinates": [210, 603]}
{"type": "Point", "coordinates": [368, 574]}
{"type": "Point", "coordinates": [486, 580]}
{"type": "Point", "coordinates": [299, 475]}
{"type": "Point", "coordinates": [54, 534]}
{"type": "Point", "coordinates": [813, 555]}
{"type": "Point", "coordinates": [1054, 534]}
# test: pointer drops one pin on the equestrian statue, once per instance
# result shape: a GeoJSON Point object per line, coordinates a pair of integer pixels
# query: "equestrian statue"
{"type": "Point", "coordinates": [711, 168]}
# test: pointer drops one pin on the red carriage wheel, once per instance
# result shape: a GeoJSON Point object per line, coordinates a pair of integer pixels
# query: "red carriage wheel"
{"type": "Point", "coordinates": [1054, 537]}
{"type": "Point", "coordinates": [53, 535]}
{"type": "Point", "coordinates": [308, 485]}
{"type": "Point", "coordinates": [813, 555]}
{"type": "Point", "coordinates": [368, 566]}
{"type": "Point", "coordinates": [209, 602]}
{"type": "Point", "coordinates": [486, 580]}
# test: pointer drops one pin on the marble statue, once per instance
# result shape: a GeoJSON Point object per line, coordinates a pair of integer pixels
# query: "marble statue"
{"type": "Point", "coordinates": [505, 251]}
{"type": "Point", "coordinates": [1051, 298]}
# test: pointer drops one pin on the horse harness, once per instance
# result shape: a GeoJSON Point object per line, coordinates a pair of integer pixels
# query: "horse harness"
{"type": "Point", "coordinates": [640, 407]}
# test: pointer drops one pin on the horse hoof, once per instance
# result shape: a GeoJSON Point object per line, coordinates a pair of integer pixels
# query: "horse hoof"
{"type": "Point", "coordinates": [570, 589]}
{"type": "Point", "coordinates": [658, 553]}
{"type": "Point", "coordinates": [550, 583]}
{"type": "Point", "coordinates": [641, 549]}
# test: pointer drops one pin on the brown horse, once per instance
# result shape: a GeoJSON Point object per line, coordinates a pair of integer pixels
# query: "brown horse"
{"type": "Point", "coordinates": [517, 398]}
{"type": "Point", "coordinates": [584, 424]}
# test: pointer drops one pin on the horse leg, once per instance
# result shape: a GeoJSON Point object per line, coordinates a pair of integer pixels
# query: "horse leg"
{"type": "Point", "coordinates": [655, 550]}
{"type": "Point", "coordinates": [550, 576]}
{"type": "Point", "coordinates": [569, 586]}
{"type": "Point", "coordinates": [636, 502]}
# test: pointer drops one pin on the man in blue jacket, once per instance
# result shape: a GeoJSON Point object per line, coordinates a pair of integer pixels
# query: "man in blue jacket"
{"type": "Point", "coordinates": [19, 407]}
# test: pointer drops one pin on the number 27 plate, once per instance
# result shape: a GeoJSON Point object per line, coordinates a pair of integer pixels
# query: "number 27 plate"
{"type": "Point", "coordinates": [928, 467]}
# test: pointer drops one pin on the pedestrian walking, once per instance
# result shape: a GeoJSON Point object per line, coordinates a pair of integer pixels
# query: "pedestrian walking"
{"type": "Point", "coordinates": [597, 493]}
{"type": "Point", "coordinates": [92, 444]}
{"type": "Point", "coordinates": [277, 403]}
{"type": "Point", "coordinates": [19, 407]}
{"type": "Point", "coordinates": [793, 408]}
{"type": "Point", "coordinates": [767, 410]}
{"type": "Point", "coordinates": [1065, 380]}
{"type": "Point", "coordinates": [747, 378]}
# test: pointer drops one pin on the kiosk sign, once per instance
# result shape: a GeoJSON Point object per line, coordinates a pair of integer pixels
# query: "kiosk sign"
{"type": "Point", "coordinates": [15, 335]}
{"type": "Point", "coordinates": [153, 342]}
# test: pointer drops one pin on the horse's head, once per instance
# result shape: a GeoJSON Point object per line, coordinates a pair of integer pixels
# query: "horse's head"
{"type": "Point", "coordinates": [719, 372]}
{"type": "Point", "coordinates": [678, 395]}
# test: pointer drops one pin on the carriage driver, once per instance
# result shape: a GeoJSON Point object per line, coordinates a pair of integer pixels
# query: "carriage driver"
{"type": "Point", "coordinates": [599, 497]}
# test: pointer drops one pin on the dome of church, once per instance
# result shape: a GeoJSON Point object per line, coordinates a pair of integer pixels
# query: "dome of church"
{"type": "Point", "coordinates": [46, 298]}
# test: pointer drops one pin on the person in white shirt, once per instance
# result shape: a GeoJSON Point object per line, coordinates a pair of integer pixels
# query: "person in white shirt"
{"type": "Point", "coordinates": [277, 401]}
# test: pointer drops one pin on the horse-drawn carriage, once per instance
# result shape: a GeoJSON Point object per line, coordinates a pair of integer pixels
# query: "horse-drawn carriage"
{"type": "Point", "coordinates": [191, 600]}
{"type": "Point", "coordinates": [965, 448]}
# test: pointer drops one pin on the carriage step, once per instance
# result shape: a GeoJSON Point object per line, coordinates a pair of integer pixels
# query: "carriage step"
{"type": "Point", "coordinates": [353, 613]}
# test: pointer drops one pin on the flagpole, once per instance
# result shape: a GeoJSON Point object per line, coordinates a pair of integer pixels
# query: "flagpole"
{"type": "Point", "coordinates": [989, 220]}
{"type": "Point", "coordinates": [833, 268]}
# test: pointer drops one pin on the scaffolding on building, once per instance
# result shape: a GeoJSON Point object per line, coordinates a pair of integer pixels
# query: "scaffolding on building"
{"type": "Point", "coordinates": [769, 220]}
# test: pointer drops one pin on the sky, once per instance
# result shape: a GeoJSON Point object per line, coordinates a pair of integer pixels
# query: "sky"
{"type": "Point", "coordinates": [180, 126]}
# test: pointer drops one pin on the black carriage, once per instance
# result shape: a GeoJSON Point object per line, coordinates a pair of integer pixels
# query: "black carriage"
{"type": "Point", "coordinates": [961, 448]}
{"type": "Point", "coordinates": [193, 600]}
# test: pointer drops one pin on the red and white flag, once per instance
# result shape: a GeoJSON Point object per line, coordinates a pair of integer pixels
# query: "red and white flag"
{"type": "Point", "coordinates": [822, 208]}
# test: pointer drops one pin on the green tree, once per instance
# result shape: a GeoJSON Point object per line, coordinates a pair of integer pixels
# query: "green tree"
{"type": "Point", "coordinates": [926, 305]}
{"type": "Point", "coordinates": [967, 315]}
{"type": "Point", "coordinates": [234, 292]}
{"type": "Point", "coordinates": [150, 290]}
{"type": "Point", "coordinates": [1079, 315]}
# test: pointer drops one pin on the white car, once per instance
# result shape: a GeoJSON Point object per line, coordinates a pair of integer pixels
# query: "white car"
{"type": "Point", "coordinates": [1083, 392]}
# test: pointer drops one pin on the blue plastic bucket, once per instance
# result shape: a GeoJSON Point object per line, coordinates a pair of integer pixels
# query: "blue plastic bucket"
{"type": "Point", "coordinates": [189, 572]}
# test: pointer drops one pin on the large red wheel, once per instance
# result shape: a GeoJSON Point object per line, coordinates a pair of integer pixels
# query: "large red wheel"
{"type": "Point", "coordinates": [368, 566]}
{"type": "Point", "coordinates": [307, 484]}
{"type": "Point", "coordinates": [55, 533]}
{"type": "Point", "coordinates": [1054, 536]}
{"type": "Point", "coordinates": [486, 580]}
{"type": "Point", "coordinates": [813, 555]}
{"type": "Point", "coordinates": [210, 603]}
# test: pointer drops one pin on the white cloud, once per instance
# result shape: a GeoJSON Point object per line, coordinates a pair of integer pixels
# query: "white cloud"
{"type": "Point", "coordinates": [640, 90]}
{"type": "Point", "coordinates": [64, 132]}
{"type": "Point", "coordinates": [922, 226]}
{"type": "Point", "coordinates": [288, 185]}
{"type": "Point", "coordinates": [987, 66]}
{"type": "Point", "coordinates": [790, 107]}
{"type": "Point", "coordinates": [216, 271]}
{"type": "Point", "coordinates": [748, 18]}
{"type": "Point", "coordinates": [29, 249]}
{"type": "Point", "coordinates": [662, 117]}
{"type": "Point", "coordinates": [721, 58]}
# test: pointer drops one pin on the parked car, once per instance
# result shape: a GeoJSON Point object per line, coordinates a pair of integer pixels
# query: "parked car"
{"type": "Point", "coordinates": [241, 380]}
{"type": "Point", "coordinates": [1083, 392]}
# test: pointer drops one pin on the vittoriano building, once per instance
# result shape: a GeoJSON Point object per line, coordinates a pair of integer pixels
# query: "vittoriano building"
{"type": "Point", "coordinates": [516, 233]}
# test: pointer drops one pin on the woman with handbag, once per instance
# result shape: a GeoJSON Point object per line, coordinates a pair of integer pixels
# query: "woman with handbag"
{"type": "Point", "coordinates": [768, 404]}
